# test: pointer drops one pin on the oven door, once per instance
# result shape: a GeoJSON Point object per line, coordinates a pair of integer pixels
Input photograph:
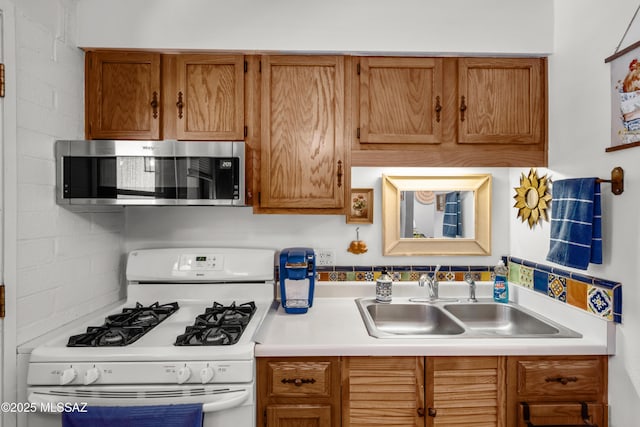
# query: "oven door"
{"type": "Point", "coordinates": [232, 405]}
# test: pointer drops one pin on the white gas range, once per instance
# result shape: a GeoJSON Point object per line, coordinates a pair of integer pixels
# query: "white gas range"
{"type": "Point", "coordinates": [184, 335]}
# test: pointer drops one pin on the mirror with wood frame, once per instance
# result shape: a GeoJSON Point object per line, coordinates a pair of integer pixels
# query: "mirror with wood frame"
{"type": "Point", "coordinates": [436, 215]}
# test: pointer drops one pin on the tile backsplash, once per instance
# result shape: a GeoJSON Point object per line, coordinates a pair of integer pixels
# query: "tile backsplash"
{"type": "Point", "coordinates": [600, 297]}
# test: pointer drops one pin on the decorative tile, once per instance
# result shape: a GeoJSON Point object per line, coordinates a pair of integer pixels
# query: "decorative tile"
{"type": "Point", "coordinates": [577, 293]}
{"type": "Point", "coordinates": [414, 276]}
{"type": "Point", "coordinates": [617, 303]}
{"type": "Point", "coordinates": [526, 276]}
{"type": "Point", "coordinates": [342, 276]}
{"type": "Point", "coordinates": [514, 272]}
{"type": "Point", "coordinates": [351, 276]}
{"type": "Point", "coordinates": [557, 288]}
{"type": "Point", "coordinates": [459, 276]}
{"type": "Point", "coordinates": [540, 281]}
{"type": "Point", "coordinates": [486, 276]}
{"type": "Point", "coordinates": [396, 276]}
{"type": "Point", "coordinates": [333, 276]}
{"type": "Point", "coordinates": [368, 276]}
{"type": "Point", "coordinates": [360, 276]}
{"type": "Point", "coordinates": [599, 301]}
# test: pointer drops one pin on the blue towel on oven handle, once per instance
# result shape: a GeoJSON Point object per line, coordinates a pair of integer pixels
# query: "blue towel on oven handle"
{"type": "Point", "coordinates": [188, 415]}
{"type": "Point", "coordinates": [452, 222]}
{"type": "Point", "coordinates": [576, 223]}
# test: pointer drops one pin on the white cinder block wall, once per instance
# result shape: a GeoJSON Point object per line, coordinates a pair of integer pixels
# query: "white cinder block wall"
{"type": "Point", "coordinates": [68, 263]}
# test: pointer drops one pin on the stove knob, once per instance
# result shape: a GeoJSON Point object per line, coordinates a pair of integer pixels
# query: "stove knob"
{"type": "Point", "coordinates": [68, 375]}
{"type": "Point", "coordinates": [183, 374]}
{"type": "Point", "coordinates": [207, 374]}
{"type": "Point", "coordinates": [91, 376]}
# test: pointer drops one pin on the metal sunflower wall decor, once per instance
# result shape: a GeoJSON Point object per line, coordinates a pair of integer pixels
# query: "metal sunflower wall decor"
{"type": "Point", "coordinates": [532, 198]}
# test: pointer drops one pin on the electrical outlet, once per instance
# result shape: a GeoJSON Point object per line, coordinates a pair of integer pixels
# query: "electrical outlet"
{"type": "Point", "coordinates": [325, 257]}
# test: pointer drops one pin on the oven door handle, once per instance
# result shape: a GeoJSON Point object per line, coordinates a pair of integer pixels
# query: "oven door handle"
{"type": "Point", "coordinates": [232, 399]}
{"type": "Point", "coordinates": [229, 403]}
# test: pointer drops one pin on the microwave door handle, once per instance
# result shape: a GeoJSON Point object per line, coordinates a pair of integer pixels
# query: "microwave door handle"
{"type": "Point", "coordinates": [227, 403]}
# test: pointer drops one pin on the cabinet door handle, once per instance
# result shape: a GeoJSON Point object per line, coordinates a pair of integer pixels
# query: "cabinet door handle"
{"type": "Point", "coordinates": [421, 412]}
{"type": "Point", "coordinates": [432, 412]}
{"type": "Point", "coordinates": [438, 109]}
{"type": "Point", "coordinates": [339, 173]}
{"type": "Point", "coordinates": [154, 104]}
{"type": "Point", "coordinates": [298, 381]}
{"type": "Point", "coordinates": [463, 108]}
{"type": "Point", "coordinates": [561, 380]}
{"type": "Point", "coordinates": [180, 105]}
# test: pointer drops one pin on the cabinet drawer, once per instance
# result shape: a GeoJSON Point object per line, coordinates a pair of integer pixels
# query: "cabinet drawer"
{"type": "Point", "coordinates": [564, 379]}
{"type": "Point", "coordinates": [560, 414]}
{"type": "Point", "coordinates": [299, 379]}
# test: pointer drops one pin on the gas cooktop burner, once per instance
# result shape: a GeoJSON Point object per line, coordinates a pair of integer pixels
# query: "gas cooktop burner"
{"type": "Point", "coordinates": [124, 328]}
{"type": "Point", "coordinates": [218, 325]}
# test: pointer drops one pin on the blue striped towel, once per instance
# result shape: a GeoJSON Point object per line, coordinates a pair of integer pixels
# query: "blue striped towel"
{"type": "Point", "coordinates": [452, 222]}
{"type": "Point", "coordinates": [576, 223]}
{"type": "Point", "coordinates": [189, 415]}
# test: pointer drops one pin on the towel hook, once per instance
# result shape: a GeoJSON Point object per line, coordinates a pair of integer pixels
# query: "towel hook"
{"type": "Point", "coordinates": [617, 180]}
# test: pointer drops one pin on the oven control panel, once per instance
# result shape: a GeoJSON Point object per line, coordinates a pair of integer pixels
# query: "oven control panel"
{"type": "Point", "coordinates": [201, 262]}
{"type": "Point", "coordinates": [195, 372]}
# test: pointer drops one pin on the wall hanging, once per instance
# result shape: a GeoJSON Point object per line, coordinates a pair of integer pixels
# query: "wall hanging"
{"type": "Point", "coordinates": [625, 94]}
{"type": "Point", "coordinates": [361, 206]}
{"type": "Point", "coordinates": [532, 198]}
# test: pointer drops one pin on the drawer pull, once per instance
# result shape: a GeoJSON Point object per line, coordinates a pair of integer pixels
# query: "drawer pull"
{"type": "Point", "coordinates": [561, 380]}
{"type": "Point", "coordinates": [298, 381]}
{"type": "Point", "coordinates": [584, 414]}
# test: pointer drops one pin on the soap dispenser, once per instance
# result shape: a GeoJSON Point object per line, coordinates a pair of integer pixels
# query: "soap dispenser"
{"type": "Point", "coordinates": [383, 287]}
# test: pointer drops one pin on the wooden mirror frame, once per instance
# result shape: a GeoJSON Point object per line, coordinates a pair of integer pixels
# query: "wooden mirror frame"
{"type": "Point", "coordinates": [393, 244]}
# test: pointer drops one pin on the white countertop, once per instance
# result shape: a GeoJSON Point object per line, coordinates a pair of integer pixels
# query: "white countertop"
{"type": "Point", "coordinates": [334, 327]}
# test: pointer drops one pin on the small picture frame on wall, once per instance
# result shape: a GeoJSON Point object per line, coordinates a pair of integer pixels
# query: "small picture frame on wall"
{"type": "Point", "coordinates": [360, 207]}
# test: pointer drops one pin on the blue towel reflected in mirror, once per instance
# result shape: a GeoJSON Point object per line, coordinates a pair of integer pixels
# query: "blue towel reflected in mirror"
{"type": "Point", "coordinates": [452, 222]}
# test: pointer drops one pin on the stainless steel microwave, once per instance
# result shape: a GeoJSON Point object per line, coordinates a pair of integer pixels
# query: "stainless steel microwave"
{"type": "Point", "coordinates": [101, 172]}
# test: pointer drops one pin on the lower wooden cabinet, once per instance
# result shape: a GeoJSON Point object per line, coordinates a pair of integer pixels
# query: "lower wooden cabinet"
{"type": "Point", "coordinates": [554, 390]}
{"type": "Point", "coordinates": [298, 391]}
{"type": "Point", "coordinates": [466, 391]}
{"type": "Point", "coordinates": [383, 391]}
{"type": "Point", "coordinates": [479, 391]}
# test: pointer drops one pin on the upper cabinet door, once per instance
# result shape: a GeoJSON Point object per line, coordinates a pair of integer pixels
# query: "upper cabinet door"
{"type": "Point", "coordinates": [303, 153]}
{"type": "Point", "coordinates": [123, 95]}
{"type": "Point", "coordinates": [501, 100]}
{"type": "Point", "coordinates": [210, 97]}
{"type": "Point", "coordinates": [400, 100]}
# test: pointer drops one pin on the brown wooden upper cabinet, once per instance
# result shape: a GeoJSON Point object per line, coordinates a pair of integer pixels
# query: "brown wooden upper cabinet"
{"type": "Point", "coordinates": [123, 95]}
{"type": "Point", "coordinates": [303, 155]}
{"type": "Point", "coordinates": [449, 111]}
{"type": "Point", "coordinates": [210, 97]}
{"type": "Point", "coordinates": [501, 100]}
{"type": "Point", "coordinates": [138, 95]}
{"type": "Point", "coordinates": [400, 100]}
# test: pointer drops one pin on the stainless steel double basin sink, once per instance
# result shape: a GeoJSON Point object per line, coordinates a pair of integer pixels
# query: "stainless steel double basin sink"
{"type": "Point", "coordinates": [452, 319]}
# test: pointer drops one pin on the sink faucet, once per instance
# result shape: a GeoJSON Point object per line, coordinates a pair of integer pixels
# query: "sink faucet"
{"type": "Point", "coordinates": [432, 282]}
{"type": "Point", "coordinates": [472, 287]}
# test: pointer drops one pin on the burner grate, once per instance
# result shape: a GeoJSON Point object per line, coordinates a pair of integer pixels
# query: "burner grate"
{"type": "Point", "coordinates": [218, 325]}
{"type": "Point", "coordinates": [124, 328]}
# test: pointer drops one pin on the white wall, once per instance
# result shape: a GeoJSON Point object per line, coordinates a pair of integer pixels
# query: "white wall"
{"type": "Point", "coordinates": [202, 226]}
{"type": "Point", "coordinates": [68, 263]}
{"type": "Point", "coordinates": [586, 32]}
{"type": "Point", "coordinates": [411, 26]}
